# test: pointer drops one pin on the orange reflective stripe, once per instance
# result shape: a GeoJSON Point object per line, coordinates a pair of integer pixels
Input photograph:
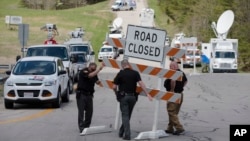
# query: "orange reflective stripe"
{"type": "Point", "coordinates": [141, 67]}
{"type": "Point", "coordinates": [113, 63]}
{"type": "Point", "coordinates": [169, 74]}
{"type": "Point", "coordinates": [138, 89]}
{"type": "Point", "coordinates": [180, 78]}
{"type": "Point", "coordinates": [110, 84]}
{"type": "Point", "coordinates": [155, 71]}
{"type": "Point", "coordinates": [178, 100]}
{"type": "Point", "coordinates": [167, 96]}
{"type": "Point", "coordinates": [117, 42]}
{"type": "Point", "coordinates": [172, 52]}
{"type": "Point", "coordinates": [153, 93]}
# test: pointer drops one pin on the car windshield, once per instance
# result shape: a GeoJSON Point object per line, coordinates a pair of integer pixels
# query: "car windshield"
{"type": "Point", "coordinates": [81, 58]}
{"type": "Point", "coordinates": [221, 54]}
{"type": "Point", "coordinates": [80, 48]}
{"type": "Point", "coordinates": [191, 53]}
{"type": "Point", "coordinates": [60, 52]}
{"type": "Point", "coordinates": [35, 68]}
{"type": "Point", "coordinates": [106, 49]}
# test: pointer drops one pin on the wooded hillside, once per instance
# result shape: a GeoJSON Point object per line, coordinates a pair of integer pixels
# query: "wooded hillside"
{"type": "Point", "coordinates": [194, 18]}
{"type": "Point", "coordinates": [56, 4]}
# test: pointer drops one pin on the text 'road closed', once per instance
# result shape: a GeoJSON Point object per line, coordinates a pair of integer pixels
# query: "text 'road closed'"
{"type": "Point", "coordinates": [145, 43]}
{"type": "Point", "coordinates": [144, 50]}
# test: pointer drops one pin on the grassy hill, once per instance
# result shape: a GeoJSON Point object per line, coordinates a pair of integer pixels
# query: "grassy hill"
{"type": "Point", "coordinates": [93, 18]}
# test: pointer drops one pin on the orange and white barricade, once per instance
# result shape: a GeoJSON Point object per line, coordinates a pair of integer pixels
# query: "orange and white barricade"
{"type": "Point", "coordinates": [157, 94]}
{"type": "Point", "coordinates": [175, 52]}
{"type": "Point", "coordinates": [155, 71]}
{"type": "Point", "coordinates": [116, 42]}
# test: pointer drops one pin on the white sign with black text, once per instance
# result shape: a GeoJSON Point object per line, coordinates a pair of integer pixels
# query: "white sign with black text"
{"type": "Point", "coordinates": [146, 43]}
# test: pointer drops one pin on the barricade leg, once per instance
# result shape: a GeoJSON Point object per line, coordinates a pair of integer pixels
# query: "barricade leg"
{"type": "Point", "coordinates": [96, 130]}
{"type": "Point", "coordinates": [154, 134]}
{"type": "Point", "coordinates": [117, 117]}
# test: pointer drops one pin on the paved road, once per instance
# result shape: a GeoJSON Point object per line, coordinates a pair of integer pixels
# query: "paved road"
{"type": "Point", "coordinates": [211, 103]}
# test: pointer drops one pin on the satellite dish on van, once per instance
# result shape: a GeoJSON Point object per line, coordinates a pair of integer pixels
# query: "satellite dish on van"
{"type": "Point", "coordinates": [225, 22]}
{"type": "Point", "coordinates": [117, 23]}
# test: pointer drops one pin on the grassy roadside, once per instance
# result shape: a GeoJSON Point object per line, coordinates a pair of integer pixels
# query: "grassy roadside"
{"type": "Point", "coordinates": [94, 19]}
{"type": "Point", "coordinates": [162, 20]}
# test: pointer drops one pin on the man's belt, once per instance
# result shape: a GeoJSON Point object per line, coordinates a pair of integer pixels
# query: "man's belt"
{"type": "Point", "coordinates": [130, 94]}
{"type": "Point", "coordinates": [84, 92]}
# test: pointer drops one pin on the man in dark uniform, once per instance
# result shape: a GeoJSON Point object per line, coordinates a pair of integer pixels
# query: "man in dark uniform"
{"type": "Point", "coordinates": [174, 125]}
{"type": "Point", "coordinates": [84, 94]}
{"type": "Point", "coordinates": [125, 82]}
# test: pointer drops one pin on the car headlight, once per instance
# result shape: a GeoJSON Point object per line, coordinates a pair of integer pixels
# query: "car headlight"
{"type": "Point", "coordinates": [9, 83]}
{"type": "Point", "coordinates": [50, 83]}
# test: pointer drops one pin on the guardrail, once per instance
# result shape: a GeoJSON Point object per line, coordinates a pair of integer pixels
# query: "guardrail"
{"type": "Point", "coordinates": [6, 66]}
{"type": "Point", "coordinates": [3, 68]}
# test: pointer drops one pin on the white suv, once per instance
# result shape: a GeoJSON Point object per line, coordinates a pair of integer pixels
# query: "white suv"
{"type": "Point", "coordinates": [37, 79]}
{"type": "Point", "coordinates": [107, 51]}
{"type": "Point", "coordinates": [55, 50]}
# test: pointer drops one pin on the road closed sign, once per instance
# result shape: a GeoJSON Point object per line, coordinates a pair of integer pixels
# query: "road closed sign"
{"type": "Point", "coordinates": [145, 43]}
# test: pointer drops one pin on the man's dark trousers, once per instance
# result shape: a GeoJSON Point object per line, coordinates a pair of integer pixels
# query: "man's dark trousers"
{"type": "Point", "coordinates": [127, 104]}
{"type": "Point", "coordinates": [84, 104]}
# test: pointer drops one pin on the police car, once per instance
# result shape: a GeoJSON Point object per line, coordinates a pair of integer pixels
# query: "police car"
{"type": "Point", "coordinates": [37, 79]}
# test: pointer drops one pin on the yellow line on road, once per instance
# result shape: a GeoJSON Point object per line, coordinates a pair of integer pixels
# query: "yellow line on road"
{"type": "Point", "coordinates": [29, 117]}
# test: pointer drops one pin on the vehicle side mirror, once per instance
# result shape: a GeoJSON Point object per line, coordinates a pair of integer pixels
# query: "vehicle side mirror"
{"type": "Point", "coordinates": [18, 57]}
{"type": "Point", "coordinates": [62, 72]}
{"type": "Point", "coordinates": [120, 51]}
{"type": "Point", "coordinates": [8, 72]}
{"type": "Point", "coordinates": [92, 53]}
{"type": "Point", "coordinates": [73, 59]}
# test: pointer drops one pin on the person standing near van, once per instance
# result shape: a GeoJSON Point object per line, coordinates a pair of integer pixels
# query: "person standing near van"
{"type": "Point", "coordinates": [174, 126]}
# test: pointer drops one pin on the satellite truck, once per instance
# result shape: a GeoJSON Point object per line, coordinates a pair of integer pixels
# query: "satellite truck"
{"type": "Point", "coordinates": [115, 31]}
{"type": "Point", "coordinates": [221, 51]}
{"type": "Point", "coordinates": [147, 16]}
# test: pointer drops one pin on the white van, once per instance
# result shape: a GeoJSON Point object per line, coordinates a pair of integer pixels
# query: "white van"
{"type": "Point", "coordinates": [107, 51]}
{"type": "Point", "coordinates": [123, 5]}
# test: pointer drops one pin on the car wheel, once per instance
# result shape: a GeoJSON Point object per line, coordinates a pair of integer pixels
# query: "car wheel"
{"type": "Point", "coordinates": [65, 97]}
{"type": "Point", "coordinates": [71, 86]}
{"type": "Point", "coordinates": [73, 78]}
{"type": "Point", "coordinates": [57, 103]}
{"type": "Point", "coordinates": [8, 105]}
{"type": "Point", "coordinates": [77, 76]}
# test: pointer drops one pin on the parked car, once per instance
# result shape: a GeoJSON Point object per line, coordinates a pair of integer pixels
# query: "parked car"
{"type": "Point", "coordinates": [190, 55]}
{"type": "Point", "coordinates": [37, 79]}
{"type": "Point", "coordinates": [78, 61]}
{"type": "Point", "coordinates": [107, 51]}
{"type": "Point", "coordinates": [55, 50]}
